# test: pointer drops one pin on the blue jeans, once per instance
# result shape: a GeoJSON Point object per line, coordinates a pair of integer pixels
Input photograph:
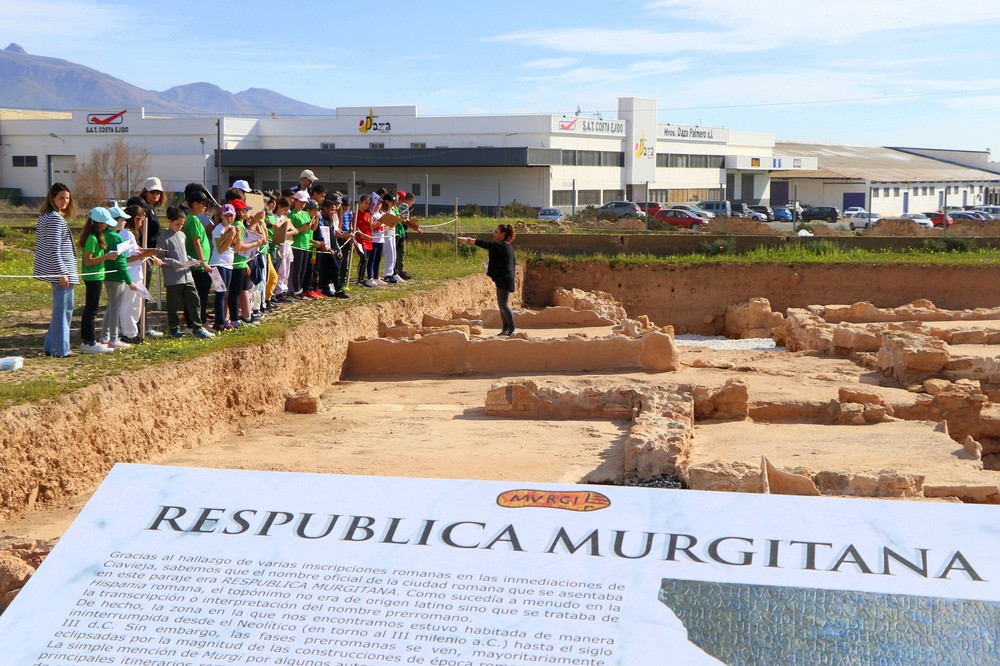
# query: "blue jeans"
{"type": "Point", "coordinates": [57, 338]}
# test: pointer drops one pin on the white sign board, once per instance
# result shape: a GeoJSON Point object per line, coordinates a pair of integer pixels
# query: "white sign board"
{"type": "Point", "coordinates": [193, 567]}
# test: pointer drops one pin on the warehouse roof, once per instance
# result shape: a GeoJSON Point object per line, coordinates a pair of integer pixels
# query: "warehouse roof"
{"type": "Point", "coordinates": [876, 164]}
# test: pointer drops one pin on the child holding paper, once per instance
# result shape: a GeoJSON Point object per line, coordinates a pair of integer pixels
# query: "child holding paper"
{"type": "Point", "coordinates": [117, 282]}
{"type": "Point", "coordinates": [95, 253]}
{"type": "Point", "coordinates": [177, 277]}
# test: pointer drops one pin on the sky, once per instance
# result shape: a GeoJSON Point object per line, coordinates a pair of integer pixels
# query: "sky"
{"type": "Point", "coordinates": [916, 73]}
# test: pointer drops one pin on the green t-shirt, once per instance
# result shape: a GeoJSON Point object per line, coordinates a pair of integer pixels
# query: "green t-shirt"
{"type": "Point", "coordinates": [400, 227]}
{"type": "Point", "coordinates": [239, 261]}
{"type": "Point", "coordinates": [303, 239]}
{"type": "Point", "coordinates": [116, 270]}
{"type": "Point", "coordinates": [194, 231]}
{"type": "Point", "coordinates": [93, 273]}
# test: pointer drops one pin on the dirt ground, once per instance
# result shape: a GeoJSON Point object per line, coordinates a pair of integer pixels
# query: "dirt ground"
{"type": "Point", "coordinates": [437, 427]}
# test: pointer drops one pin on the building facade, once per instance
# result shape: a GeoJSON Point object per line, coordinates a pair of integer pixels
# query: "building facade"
{"type": "Point", "coordinates": [539, 160]}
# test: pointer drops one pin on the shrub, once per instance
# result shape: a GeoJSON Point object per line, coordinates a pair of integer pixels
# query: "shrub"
{"type": "Point", "coordinates": [470, 210]}
{"type": "Point", "coordinates": [718, 246]}
{"type": "Point", "coordinates": [517, 209]}
{"type": "Point", "coordinates": [949, 244]}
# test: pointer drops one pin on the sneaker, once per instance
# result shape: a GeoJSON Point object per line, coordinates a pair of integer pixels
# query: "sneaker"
{"type": "Point", "coordinates": [405, 275]}
{"type": "Point", "coordinates": [244, 322]}
{"type": "Point", "coordinates": [367, 283]}
{"type": "Point", "coordinates": [230, 327]}
{"type": "Point", "coordinates": [153, 333]}
{"type": "Point", "coordinates": [311, 295]}
{"type": "Point", "coordinates": [176, 334]}
{"type": "Point", "coordinates": [118, 344]}
{"type": "Point", "coordinates": [341, 294]}
{"type": "Point", "coordinates": [254, 318]}
{"type": "Point", "coordinates": [395, 279]}
{"type": "Point", "coordinates": [378, 282]}
{"type": "Point", "coordinates": [94, 348]}
{"type": "Point", "coordinates": [203, 334]}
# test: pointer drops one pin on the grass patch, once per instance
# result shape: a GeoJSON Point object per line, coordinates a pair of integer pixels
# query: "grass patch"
{"type": "Point", "coordinates": [25, 306]}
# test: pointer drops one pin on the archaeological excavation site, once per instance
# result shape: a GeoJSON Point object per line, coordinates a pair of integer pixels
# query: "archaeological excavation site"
{"type": "Point", "coordinates": [856, 381]}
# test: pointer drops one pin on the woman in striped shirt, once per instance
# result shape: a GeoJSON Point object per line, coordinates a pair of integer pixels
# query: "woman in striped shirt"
{"type": "Point", "coordinates": [55, 262]}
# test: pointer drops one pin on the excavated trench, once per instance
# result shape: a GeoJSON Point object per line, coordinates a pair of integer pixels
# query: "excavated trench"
{"type": "Point", "coordinates": [55, 450]}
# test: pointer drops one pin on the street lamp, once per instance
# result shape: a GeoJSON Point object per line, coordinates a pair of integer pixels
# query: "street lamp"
{"type": "Point", "coordinates": [204, 162]}
{"type": "Point", "coordinates": [56, 136]}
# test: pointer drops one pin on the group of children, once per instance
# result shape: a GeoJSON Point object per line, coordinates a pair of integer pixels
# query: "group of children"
{"type": "Point", "coordinates": [253, 251]}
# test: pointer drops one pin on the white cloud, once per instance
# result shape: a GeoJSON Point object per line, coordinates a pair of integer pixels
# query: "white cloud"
{"type": "Point", "coordinates": [595, 75]}
{"type": "Point", "coordinates": [550, 63]}
{"type": "Point", "coordinates": [630, 41]}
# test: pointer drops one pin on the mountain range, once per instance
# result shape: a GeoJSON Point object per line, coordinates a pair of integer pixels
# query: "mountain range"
{"type": "Point", "coordinates": [51, 84]}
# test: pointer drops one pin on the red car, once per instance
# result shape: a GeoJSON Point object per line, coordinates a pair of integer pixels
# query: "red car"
{"type": "Point", "coordinates": [650, 207]}
{"type": "Point", "coordinates": [680, 218]}
{"type": "Point", "coordinates": [936, 218]}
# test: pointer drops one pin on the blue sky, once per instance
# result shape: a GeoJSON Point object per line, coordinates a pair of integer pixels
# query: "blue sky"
{"type": "Point", "coordinates": [891, 72]}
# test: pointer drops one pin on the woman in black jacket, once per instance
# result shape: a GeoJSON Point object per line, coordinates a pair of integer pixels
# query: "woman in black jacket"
{"type": "Point", "coordinates": [500, 269]}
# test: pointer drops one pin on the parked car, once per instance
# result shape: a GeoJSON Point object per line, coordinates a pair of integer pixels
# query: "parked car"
{"type": "Point", "coordinates": [937, 217]}
{"type": "Point", "coordinates": [766, 210]}
{"type": "Point", "coordinates": [827, 213]}
{"type": "Point", "coordinates": [717, 206]}
{"type": "Point", "coordinates": [701, 212]}
{"type": "Point", "coordinates": [992, 211]}
{"type": "Point", "coordinates": [550, 214]}
{"type": "Point", "coordinates": [919, 219]}
{"type": "Point", "coordinates": [621, 209]}
{"type": "Point", "coordinates": [650, 207]}
{"type": "Point", "coordinates": [783, 214]}
{"type": "Point", "coordinates": [979, 215]}
{"type": "Point", "coordinates": [680, 218]}
{"type": "Point", "coordinates": [863, 220]}
{"type": "Point", "coordinates": [854, 209]}
{"type": "Point", "coordinates": [965, 215]}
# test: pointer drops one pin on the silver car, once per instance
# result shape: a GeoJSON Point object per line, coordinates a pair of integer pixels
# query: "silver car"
{"type": "Point", "coordinates": [550, 215]}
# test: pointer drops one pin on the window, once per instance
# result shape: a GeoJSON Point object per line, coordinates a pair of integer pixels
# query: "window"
{"type": "Point", "coordinates": [569, 158]}
{"type": "Point", "coordinates": [916, 190]}
{"type": "Point", "coordinates": [324, 145]}
{"type": "Point", "coordinates": [925, 190]}
{"type": "Point", "coordinates": [25, 160]}
{"type": "Point", "coordinates": [874, 193]}
{"type": "Point", "coordinates": [588, 158]}
{"type": "Point", "coordinates": [698, 161]}
{"type": "Point", "coordinates": [562, 197]}
{"type": "Point", "coordinates": [377, 145]}
{"type": "Point", "coordinates": [415, 189]}
{"type": "Point", "coordinates": [932, 189]}
{"type": "Point", "coordinates": [613, 159]}
{"type": "Point", "coordinates": [588, 197]}
{"type": "Point", "coordinates": [418, 145]}
{"type": "Point", "coordinates": [613, 195]}
{"type": "Point", "coordinates": [885, 191]}
{"type": "Point", "coordinates": [435, 189]}
{"type": "Point", "coordinates": [895, 191]}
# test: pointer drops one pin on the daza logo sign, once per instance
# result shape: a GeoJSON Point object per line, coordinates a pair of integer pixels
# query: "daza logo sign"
{"type": "Point", "coordinates": [368, 124]}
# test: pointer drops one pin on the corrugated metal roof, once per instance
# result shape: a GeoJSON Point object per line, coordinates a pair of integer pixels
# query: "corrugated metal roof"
{"type": "Point", "coordinates": [392, 157]}
{"type": "Point", "coordinates": [876, 164]}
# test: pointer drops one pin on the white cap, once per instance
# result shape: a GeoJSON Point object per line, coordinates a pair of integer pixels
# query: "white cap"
{"type": "Point", "coordinates": [301, 195]}
{"type": "Point", "coordinates": [308, 174]}
{"type": "Point", "coordinates": [242, 185]}
{"type": "Point", "coordinates": [152, 184]}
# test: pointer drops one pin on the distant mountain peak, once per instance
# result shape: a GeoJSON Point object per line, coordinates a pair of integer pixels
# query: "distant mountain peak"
{"type": "Point", "coordinates": [37, 82]}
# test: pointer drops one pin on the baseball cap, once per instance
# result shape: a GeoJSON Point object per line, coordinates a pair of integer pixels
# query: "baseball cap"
{"type": "Point", "coordinates": [242, 185]}
{"type": "Point", "coordinates": [227, 209]}
{"type": "Point", "coordinates": [311, 205]}
{"type": "Point", "coordinates": [239, 204]}
{"type": "Point", "coordinates": [329, 202]}
{"type": "Point", "coordinates": [301, 196]}
{"type": "Point", "coordinates": [100, 214]}
{"type": "Point", "coordinates": [400, 195]}
{"type": "Point", "coordinates": [197, 196]}
{"type": "Point", "coordinates": [307, 173]}
{"type": "Point", "coordinates": [117, 212]}
{"type": "Point", "coordinates": [152, 184]}
{"type": "Point", "coordinates": [334, 199]}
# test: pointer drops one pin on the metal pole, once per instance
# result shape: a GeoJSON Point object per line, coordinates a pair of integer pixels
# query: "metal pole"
{"type": "Point", "coordinates": [498, 198]}
{"type": "Point", "coordinates": [456, 226]}
{"type": "Point", "coordinates": [218, 158]}
{"type": "Point", "coordinates": [573, 203]}
{"type": "Point", "coordinates": [279, 179]}
{"type": "Point", "coordinates": [427, 194]}
{"type": "Point", "coordinates": [944, 211]}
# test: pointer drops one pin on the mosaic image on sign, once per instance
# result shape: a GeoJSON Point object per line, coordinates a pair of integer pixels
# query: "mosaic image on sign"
{"type": "Point", "coordinates": [760, 624]}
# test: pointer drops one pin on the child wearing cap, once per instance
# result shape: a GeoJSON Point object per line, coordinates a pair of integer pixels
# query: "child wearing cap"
{"type": "Point", "coordinates": [134, 219]}
{"type": "Point", "coordinates": [181, 291]}
{"type": "Point", "coordinates": [94, 246]}
{"type": "Point", "coordinates": [198, 247]}
{"type": "Point", "coordinates": [117, 282]}
{"type": "Point", "coordinates": [304, 224]}
{"type": "Point", "coordinates": [406, 221]}
{"type": "Point", "coordinates": [283, 251]}
{"type": "Point", "coordinates": [224, 237]}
